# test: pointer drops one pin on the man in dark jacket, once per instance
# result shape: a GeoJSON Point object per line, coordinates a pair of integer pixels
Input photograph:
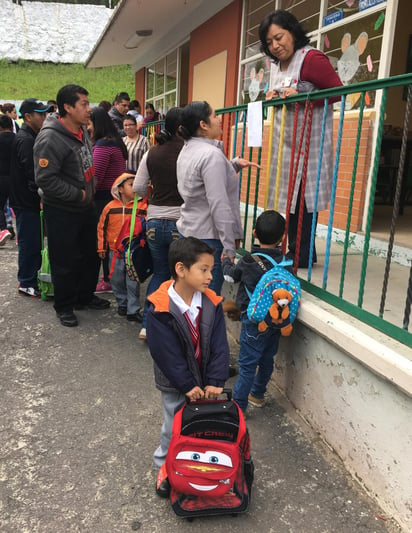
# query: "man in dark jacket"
{"type": "Point", "coordinates": [63, 166]}
{"type": "Point", "coordinates": [119, 111]}
{"type": "Point", "coordinates": [24, 197]}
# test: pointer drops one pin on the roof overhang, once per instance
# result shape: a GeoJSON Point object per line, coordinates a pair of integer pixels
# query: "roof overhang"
{"type": "Point", "coordinates": [170, 21]}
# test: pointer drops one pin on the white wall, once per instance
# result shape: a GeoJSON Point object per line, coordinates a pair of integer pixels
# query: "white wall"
{"type": "Point", "coordinates": [59, 33]}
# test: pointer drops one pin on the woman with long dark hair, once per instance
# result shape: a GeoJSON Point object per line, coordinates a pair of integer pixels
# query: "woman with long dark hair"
{"type": "Point", "coordinates": [109, 158]}
{"type": "Point", "coordinates": [158, 168]}
{"type": "Point", "coordinates": [209, 186]}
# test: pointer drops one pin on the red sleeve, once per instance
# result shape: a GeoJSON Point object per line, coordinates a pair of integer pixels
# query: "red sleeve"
{"type": "Point", "coordinates": [317, 69]}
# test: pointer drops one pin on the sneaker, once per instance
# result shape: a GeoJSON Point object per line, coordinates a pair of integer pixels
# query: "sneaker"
{"type": "Point", "coordinates": [67, 318]}
{"type": "Point", "coordinates": [122, 311]}
{"type": "Point", "coordinates": [29, 291]}
{"type": "Point", "coordinates": [12, 233]}
{"type": "Point", "coordinates": [162, 483]}
{"type": "Point", "coordinates": [103, 286]}
{"type": "Point", "coordinates": [142, 334]}
{"type": "Point", "coordinates": [136, 317]}
{"type": "Point", "coordinates": [4, 235]}
{"type": "Point", "coordinates": [256, 402]}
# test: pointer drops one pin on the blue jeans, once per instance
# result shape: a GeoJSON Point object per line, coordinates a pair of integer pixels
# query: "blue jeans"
{"type": "Point", "coordinates": [29, 244]}
{"type": "Point", "coordinates": [160, 233]}
{"type": "Point", "coordinates": [257, 351]}
{"type": "Point", "coordinates": [126, 291]}
{"type": "Point", "coordinates": [217, 272]}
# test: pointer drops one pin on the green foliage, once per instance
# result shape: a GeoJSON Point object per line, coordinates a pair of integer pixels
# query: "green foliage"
{"type": "Point", "coordinates": [29, 79]}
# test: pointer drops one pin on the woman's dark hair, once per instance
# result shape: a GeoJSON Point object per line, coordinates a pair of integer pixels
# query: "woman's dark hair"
{"type": "Point", "coordinates": [192, 115]}
{"type": "Point", "coordinates": [130, 117]}
{"type": "Point", "coordinates": [8, 108]}
{"type": "Point", "coordinates": [104, 128]}
{"type": "Point", "coordinates": [149, 106]}
{"type": "Point", "coordinates": [288, 22]}
{"type": "Point", "coordinates": [173, 121]}
{"type": "Point", "coordinates": [105, 104]}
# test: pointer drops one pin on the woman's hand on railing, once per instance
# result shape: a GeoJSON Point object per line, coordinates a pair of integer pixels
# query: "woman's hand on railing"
{"type": "Point", "coordinates": [243, 163]}
{"type": "Point", "coordinates": [272, 94]}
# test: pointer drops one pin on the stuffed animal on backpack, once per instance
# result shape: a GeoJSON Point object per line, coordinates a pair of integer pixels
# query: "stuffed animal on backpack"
{"type": "Point", "coordinates": [279, 312]}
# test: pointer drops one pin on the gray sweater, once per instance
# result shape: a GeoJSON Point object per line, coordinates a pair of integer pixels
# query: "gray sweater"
{"type": "Point", "coordinates": [208, 183]}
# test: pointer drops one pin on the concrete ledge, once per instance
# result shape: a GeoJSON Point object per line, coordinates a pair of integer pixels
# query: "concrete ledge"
{"type": "Point", "coordinates": [353, 385]}
{"type": "Point", "coordinates": [382, 355]}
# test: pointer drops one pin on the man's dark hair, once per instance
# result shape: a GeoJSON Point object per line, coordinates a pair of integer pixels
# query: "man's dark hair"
{"type": "Point", "coordinates": [288, 22]}
{"type": "Point", "coordinates": [187, 251]}
{"type": "Point", "coordinates": [6, 123]}
{"type": "Point", "coordinates": [121, 96]}
{"type": "Point", "coordinates": [69, 94]}
{"type": "Point", "coordinates": [270, 227]}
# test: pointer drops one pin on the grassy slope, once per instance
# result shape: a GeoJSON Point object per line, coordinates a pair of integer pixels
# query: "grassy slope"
{"type": "Point", "coordinates": [27, 79]}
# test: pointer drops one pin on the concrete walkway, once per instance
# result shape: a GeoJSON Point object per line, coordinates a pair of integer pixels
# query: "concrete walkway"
{"type": "Point", "coordinates": [80, 417]}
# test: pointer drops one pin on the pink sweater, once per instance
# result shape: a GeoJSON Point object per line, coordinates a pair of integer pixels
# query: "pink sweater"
{"type": "Point", "coordinates": [109, 163]}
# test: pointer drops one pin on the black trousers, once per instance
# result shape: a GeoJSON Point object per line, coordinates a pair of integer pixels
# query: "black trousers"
{"type": "Point", "coordinates": [72, 242]}
{"type": "Point", "coordinates": [304, 249]}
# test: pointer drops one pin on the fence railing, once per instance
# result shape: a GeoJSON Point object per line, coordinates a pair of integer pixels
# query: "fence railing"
{"type": "Point", "coordinates": [355, 272]}
{"type": "Point", "coordinates": [367, 277]}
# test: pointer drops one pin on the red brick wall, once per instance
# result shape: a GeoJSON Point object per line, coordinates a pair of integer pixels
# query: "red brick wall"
{"type": "Point", "coordinates": [221, 32]}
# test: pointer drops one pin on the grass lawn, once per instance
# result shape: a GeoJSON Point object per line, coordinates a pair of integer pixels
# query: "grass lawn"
{"type": "Point", "coordinates": [29, 79]}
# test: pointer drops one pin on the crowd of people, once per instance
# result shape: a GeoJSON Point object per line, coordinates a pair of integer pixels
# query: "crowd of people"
{"type": "Point", "coordinates": [84, 167]}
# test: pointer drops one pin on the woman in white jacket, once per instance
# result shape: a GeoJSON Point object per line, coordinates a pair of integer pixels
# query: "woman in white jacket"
{"type": "Point", "coordinates": [208, 183]}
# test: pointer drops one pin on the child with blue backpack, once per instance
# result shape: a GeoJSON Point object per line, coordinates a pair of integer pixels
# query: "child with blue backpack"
{"type": "Point", "coordinates": [257, 348]}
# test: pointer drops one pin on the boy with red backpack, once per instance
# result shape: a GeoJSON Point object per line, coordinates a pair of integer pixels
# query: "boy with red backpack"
{"type": "Point", "coordinates": [186, 334]}
{"type": "Point", "coordinates": [114, 216]}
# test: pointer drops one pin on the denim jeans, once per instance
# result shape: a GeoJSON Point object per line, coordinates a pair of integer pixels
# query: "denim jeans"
{"type": "Point", "coordinates": [160, 233]}
{"type": "Point", "coordinates": [256, 352]}
{"type": "Point", "coordinates": [29, 245]}
{"type": "Point", "coordinates": [126, 291]}
{"type": "Point", "coordinates": [217, 272]}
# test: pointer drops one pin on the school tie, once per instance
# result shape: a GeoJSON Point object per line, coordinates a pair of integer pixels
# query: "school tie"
{"type": "Point", "coordinates": [195, 334]}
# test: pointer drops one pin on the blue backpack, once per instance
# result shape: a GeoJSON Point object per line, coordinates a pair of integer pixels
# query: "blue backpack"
{"type": "Point", "coordinates": [264, 307]}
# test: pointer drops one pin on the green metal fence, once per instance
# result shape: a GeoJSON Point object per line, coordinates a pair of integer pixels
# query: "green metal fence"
{"type": "Point", "coordinates": [355, 272]}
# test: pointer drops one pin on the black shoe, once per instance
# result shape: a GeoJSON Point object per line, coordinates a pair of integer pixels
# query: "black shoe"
{"type": "Point", "coordinates": [122, 311]}
{"type": "Point", "coordinates": [95, 303]}
{"type": "Point", "coordinates": [67, 318]}
{"type": "Point", "coordinates": [98, 303]}
{"type": "Point", "coordinates": [232, 371]}
{"type": "Point", "coordinates": [136, 317]}
{"type": "Point", "coordinates": [163, 490]}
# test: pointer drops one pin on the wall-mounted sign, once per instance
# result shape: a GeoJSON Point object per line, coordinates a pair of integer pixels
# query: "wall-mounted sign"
{"type": "Point", "coordinates": [333, 17]}
{"type": "Point", "coordinates": [366, 4]}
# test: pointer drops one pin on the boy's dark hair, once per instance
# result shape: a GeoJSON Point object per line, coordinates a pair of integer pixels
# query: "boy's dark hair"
{"type": "Point", "coordinates": [69, 94]}
{"type": "Point", "coordinates": [187, 251]}
{"type": "Point", "coordinates": [270, 227]}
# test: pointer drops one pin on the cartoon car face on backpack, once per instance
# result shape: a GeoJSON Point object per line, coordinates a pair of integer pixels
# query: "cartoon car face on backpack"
{"type": "Point", "coordinates": [202, 471]}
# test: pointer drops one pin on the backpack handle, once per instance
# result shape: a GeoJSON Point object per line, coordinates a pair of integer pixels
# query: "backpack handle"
{"type": "Point", "coordinates": [226, 391]}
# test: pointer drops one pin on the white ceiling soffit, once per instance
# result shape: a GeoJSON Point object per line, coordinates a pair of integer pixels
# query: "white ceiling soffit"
{"type": "Point", "coordinates": [171, 22]}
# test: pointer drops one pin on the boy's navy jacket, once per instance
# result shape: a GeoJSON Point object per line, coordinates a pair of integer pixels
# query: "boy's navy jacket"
{"type": "Point", "coordinates": [248, 272]}
{"type": "Point", "coordinates": [171, 345]}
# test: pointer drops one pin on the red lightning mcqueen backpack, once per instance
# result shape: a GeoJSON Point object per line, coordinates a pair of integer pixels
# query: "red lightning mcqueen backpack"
{"type": "Point", "coordinates": [208, 464]}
